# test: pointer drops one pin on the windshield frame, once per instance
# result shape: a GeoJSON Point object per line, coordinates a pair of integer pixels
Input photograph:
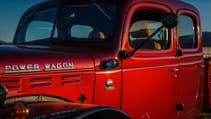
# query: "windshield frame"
{"type": "Point", "coordinates": [27, 17]}
{"type": "Point", "coordinates": [72, 41]}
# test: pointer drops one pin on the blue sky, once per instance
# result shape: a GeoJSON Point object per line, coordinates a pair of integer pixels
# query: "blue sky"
{"type": "Point", "coordinates": [204, 7]}
{"type": "Point", "coordinates": [11, 10]}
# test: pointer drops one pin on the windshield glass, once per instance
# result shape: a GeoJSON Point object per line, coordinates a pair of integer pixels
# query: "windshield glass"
{"type": "Point", "coordinates": [89, 21]}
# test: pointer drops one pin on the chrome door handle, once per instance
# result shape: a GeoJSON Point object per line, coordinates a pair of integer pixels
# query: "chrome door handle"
{"type": "Point", "coordinates": [174, 70]}
{"type": "Point", "coordinates": [202, 65]}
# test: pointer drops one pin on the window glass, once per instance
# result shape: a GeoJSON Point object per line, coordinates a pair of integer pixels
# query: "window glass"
{"type": "Point", "coordinates": [81, 31]}
{"type": "Point", "coordinates": [89, 22]}
{"type": "Point", "coordinates": [36, 26]}
{"type": "Point", "coordinates": [186, 32]}
{"type": "Point", "coordinates": [38, 30]}
{"type": "Point", "coordinates": [143, 24]}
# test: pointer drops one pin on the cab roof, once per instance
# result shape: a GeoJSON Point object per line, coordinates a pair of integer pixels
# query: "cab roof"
{"type": "Point", "coordinates": [173, 4]}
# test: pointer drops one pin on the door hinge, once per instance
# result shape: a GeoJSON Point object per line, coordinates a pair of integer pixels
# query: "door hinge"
{"type": "Point", "coordinates": [179, 107]}
{"type": "Point", "coordinates": [179, 52]}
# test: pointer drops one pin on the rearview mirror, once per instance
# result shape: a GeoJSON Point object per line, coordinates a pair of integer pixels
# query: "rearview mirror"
{"type": "Point", "coordinates": [170, 20]}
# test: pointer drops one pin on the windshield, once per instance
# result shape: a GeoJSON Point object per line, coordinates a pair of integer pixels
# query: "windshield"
{"type": "Point", "coordinates": [89, 21]}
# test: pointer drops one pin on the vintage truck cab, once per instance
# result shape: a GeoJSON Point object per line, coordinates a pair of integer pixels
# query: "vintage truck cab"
{"type": "Point", "coordinates": [143, 57]}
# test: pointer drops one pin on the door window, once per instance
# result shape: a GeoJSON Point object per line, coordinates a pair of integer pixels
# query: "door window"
{"type": "Point", "coordinates": [143, 23]}
{"type": "Point", "coordinates": [187, 32]}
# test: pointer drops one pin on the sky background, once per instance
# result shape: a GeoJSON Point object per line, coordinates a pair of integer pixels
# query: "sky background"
{"type": "Point", "coordinates": [11, 11]}
{"type": "Point", "coordinates": [204, 7]}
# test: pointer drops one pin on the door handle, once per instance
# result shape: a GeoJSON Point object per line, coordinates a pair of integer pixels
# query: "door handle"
{"type": "Point", "coordinates": [174, 70]}
{"type": "Point", "coordinates": [202, 65]}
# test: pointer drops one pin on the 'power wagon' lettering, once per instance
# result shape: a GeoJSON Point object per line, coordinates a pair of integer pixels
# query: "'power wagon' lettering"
{"type": "Point", "coordinates": [59, 66]}
{"type": "Point", "coordinates": [37, 67]}
{"type": "Point", "coordinates": [21, 68]}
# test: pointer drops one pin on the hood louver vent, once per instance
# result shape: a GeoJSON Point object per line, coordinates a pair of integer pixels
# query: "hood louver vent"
{"type": "Point", "coordinates": [72, 79]}
{"type": "Point", "coordinates": [41, 82]}
{"type": "Point", "coordinates": [11, 84]}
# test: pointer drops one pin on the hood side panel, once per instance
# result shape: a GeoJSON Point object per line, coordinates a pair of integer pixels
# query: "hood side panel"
{"type": "Point", "coordinates": [64, 85]}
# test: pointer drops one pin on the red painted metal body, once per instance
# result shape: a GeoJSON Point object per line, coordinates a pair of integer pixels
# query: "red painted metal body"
{"type": "Point", "coordinates": [207, 84]}
{"type": "Point", "coordinates": [148, 85]}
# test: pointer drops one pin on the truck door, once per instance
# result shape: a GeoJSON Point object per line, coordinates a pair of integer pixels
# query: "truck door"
{"type": "Point", "coordinates": [150, 76]}
{"type": "Point", "coordinates": [190, 63]}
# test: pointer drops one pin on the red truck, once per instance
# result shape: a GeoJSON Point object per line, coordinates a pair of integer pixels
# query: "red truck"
{"type": "Point", "coordinates": [141, 57]}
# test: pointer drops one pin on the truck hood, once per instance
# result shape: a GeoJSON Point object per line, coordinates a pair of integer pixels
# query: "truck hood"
{"type": "Point", "coordinates": [20, 59]}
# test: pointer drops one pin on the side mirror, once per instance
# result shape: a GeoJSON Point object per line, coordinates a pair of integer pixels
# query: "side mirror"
{"type": "Point", "coordinates": [3, 93]}
{"type": "Point", "coordinates": [170, 20]}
